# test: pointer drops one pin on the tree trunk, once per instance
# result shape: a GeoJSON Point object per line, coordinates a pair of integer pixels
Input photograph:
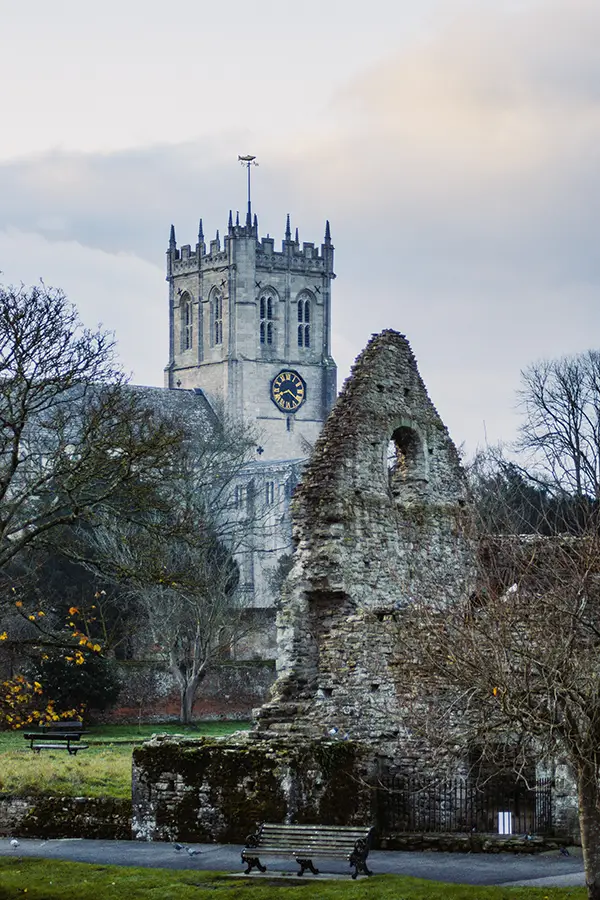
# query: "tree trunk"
{"type": "Point", "coordinates": [589, 822]}
{"type": "Point", "coordinates": [188, 694]}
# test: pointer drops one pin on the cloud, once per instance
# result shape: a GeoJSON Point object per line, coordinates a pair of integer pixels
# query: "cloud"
{"type": "Point", "coordinates": [121, 292]}
{"type": "Point", "coordinates": [464, 178]}
{"type": "Point", "coordinates": [460, 177]}
{"type": "Point", "coordinates": [122, 201]}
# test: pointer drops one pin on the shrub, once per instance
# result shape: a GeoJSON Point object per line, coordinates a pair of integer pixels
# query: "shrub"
{"type": "Point", "coordinates": [73, 682]}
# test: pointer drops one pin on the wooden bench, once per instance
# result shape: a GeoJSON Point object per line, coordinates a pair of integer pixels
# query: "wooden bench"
{"type": "Point", "coordinates": [58, 736]}
{"type": "Point", "coordinates": [305, 842]}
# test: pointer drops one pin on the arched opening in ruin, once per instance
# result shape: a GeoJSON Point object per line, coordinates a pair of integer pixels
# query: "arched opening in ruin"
{"type": "Point", "coordinates": [405, 459]}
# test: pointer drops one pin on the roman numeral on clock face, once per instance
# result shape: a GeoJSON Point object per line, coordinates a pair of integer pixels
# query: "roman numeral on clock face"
{"type": "Point", "coordinates": [288, 391]}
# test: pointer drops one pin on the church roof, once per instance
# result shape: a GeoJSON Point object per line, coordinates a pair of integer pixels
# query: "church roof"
{"type": "Point", "coordinates": [191, 404]}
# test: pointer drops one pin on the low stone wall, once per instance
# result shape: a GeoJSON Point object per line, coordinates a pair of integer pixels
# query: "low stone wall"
{"type": "Point", "coordinates": [468, 843]}
{"type": "Point", "coordinates": [217, 790]}
{"type": "Point", "coordinates": [65, 817]}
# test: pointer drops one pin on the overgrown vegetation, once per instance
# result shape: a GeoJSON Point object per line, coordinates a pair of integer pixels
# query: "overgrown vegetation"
{"type": "Point", "coordinates": [39, 879]}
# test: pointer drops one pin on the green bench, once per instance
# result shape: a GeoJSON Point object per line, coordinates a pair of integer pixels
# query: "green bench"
{"type": "Point", "coordinates": [58, 736]}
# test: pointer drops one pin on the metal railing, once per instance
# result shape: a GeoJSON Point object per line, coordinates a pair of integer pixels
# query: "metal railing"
{"type": "Point", "coordinates": [461, 805]}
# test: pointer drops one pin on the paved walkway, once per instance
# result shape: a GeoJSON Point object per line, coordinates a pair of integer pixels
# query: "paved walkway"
{"type": "Point", "coordinates": [544, 870]}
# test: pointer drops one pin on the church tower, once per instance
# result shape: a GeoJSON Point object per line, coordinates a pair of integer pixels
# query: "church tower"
{"type": "Point", "coordinates": [251, 327]}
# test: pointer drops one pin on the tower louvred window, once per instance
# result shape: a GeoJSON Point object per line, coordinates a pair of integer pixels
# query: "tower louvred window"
{"type": "Point", "coordinates": [266, 328]}
{"type": "Point", "coordinates": [216, 310]}
{"type": "Point", "coordinates": [187, 323]}
{"type": "Point", "coordinates": [304, 318]}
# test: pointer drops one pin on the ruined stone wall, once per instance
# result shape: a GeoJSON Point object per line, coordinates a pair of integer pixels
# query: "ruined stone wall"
{"type": "Point", "coordinates": [217, 790]}
{"type": "Point", "coordinates": [381, 516]}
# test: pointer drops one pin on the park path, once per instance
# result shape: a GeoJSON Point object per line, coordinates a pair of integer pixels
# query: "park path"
{"type": "Point", "coordinates": [544, 870]}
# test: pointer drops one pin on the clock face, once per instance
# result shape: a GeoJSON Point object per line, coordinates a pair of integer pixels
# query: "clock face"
{"type": "Point", "coordinates": [288, 391]}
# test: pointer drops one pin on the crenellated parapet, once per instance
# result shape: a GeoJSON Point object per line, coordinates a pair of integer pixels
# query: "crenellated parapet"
{"type": "Point", "coordinates": [293, 256]}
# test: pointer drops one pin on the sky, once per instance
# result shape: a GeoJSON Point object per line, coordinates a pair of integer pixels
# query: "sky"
{"type": "Point", "coordinates": [452, 144]}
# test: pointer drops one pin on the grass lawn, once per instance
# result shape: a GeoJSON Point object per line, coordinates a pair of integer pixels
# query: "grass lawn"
{"type": "Point", "coordinates": [103, 770]}
{"type": "Point", "coordinates": [38, 879]}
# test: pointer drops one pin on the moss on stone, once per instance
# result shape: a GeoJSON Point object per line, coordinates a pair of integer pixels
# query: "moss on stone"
{"type": "Point", "coordinates": [211, 790]}
{"type": "Point", "coordinates": [77, 817]}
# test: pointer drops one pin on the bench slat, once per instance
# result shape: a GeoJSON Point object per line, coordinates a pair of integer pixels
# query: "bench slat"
{"type": "Point", "coordinates": [59, 747]}
{"type": "Point", "coordinates": [313, 837]}
{"type": "Point", "coordinates": [350, 836]}
{"type": "Point", "coordinates": [321, 829]}
{"type": "Point", "coordinates": [313, 846]}
{"type": "Point", "coordinates": [304, 839]}
{"type": "Point", "coordinates": [302, 854]}
{"type": "Point", "coordinates": [293, 845]}
{"type": "Point", "coordinates": [307, 836]}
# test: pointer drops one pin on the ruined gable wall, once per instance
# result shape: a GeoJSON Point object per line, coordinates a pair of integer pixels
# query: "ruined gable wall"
{"type": "Point", "coordinates": [367, 542]}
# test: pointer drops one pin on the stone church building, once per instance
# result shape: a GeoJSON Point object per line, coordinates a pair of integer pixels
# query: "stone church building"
{"type": "Point", "coordinates": [250, 335]}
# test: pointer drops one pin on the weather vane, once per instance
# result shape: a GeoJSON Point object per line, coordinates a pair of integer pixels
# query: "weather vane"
{"type": "Point", "coordinates": [248, 161]}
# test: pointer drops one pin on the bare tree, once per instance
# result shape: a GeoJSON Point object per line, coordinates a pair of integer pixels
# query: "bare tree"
{"type": "Point", "coordinates": [511, 500]}
{"type": "Point", "coordinates": [560, 435]}
{"type": "Point", "coordinates": [72, 436]}
{"type": "Point", "coordinates": [180, 563]}
{"type": "Point", "coordinates": [512, 671]}
{"type": "Point", "coordinates": [187, 593]}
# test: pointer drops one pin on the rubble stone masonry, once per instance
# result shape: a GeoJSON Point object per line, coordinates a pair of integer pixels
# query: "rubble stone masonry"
{"type": "Point", "coordinates": [381, 516]}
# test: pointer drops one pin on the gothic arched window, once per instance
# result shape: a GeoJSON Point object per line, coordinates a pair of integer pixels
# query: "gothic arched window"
{"type": "Point", "coordinates": [304, 316]}
{"type": "Point", "coordinates": [187, 322]}
{"type": "Point", "coordinates": [266, 306]}
{"type": "Point", "coordinates": [216, 309]}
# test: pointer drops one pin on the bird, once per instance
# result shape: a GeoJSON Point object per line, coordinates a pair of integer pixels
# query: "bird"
{"type": "Point", "coordinates": [14, 843]}
{"type": "Point", "coordinates": [178, 847]}
{"type": "Point", "coordinates": [564, 851]}
{"type": "Point", "coordinates": [193, 851]}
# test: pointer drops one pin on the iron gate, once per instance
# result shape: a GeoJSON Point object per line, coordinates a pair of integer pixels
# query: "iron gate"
{"type": "Point", "coordinates": [460, 805]}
